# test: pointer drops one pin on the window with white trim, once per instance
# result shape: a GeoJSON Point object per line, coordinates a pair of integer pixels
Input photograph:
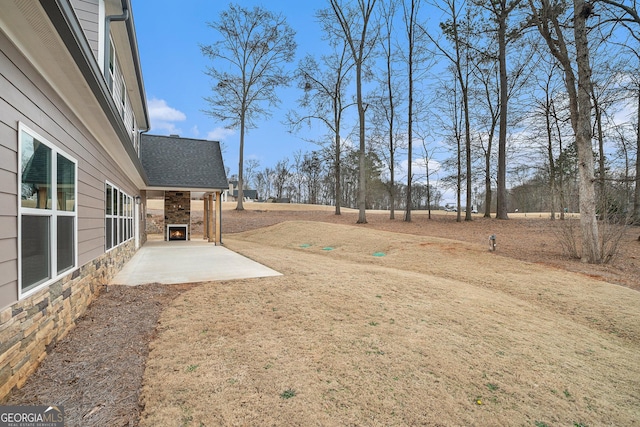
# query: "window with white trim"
{"type": "Point", "coordinates": [118, 216]}
{"type": "Point", "coordinates": [48, 182]}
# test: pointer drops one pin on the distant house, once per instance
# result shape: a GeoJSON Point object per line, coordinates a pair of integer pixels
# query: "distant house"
{"type": "Point", "coordinates": [231, 194]}
{"type": "Point", "coordinates": [76, 168]}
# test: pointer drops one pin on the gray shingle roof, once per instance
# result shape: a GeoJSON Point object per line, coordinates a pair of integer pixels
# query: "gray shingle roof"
{"type": "Point", "coordinates": [171, 161]}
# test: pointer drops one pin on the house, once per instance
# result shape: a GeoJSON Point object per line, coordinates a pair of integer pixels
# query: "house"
{"type": "Point", "coordinates": [231, 194]}
{"type": "Point", "coordinates": [76, 168]}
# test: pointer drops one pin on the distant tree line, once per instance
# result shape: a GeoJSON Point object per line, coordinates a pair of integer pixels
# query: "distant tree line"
{"type": "Point", "coordinates": [309, 178]}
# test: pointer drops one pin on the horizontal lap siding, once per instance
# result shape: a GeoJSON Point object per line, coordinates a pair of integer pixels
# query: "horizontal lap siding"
{"type": "Point", "coordinates": [88, 14]}
{"type": "Point", "coordinates": [25, 96]}
{"type": "Point", "coordinates": [8, 205]}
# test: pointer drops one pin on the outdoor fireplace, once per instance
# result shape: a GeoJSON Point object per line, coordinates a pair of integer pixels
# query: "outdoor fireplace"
{"type": "Point", "coordinates": [177, 231]}
{"type": "Point", "coordinates": [177, 215]}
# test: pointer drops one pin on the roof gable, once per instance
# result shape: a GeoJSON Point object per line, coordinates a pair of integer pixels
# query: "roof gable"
{"type": "Point", "coordinates": [175, 162]}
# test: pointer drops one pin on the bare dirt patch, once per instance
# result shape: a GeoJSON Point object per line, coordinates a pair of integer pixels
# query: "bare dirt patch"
{"type": "Point", "coordinates": [344, 314]}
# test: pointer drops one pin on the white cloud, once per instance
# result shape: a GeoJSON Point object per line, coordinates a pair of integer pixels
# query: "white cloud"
{"type": "Point", "coordinates": [220, 134]}
{"type": "Point", "coordinates": [163, 117]}
{"type": "Point", "coordinates": [159, 110]}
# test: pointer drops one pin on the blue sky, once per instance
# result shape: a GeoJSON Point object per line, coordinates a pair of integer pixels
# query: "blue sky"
{"type": "Point", "coordinates": [169, 34]}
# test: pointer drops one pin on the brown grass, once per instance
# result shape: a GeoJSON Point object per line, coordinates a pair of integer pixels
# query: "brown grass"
{"type": "Point", "coordinates": [435, 332]}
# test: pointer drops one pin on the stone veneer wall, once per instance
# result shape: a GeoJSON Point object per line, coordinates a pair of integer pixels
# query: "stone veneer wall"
{"type": "Point", "coordinates": [31, 327]}
{"type": "Point", "coordinates": [177, 210]}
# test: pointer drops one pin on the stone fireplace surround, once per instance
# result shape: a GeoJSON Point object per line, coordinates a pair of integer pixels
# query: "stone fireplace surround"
{"type": "Point", "coordinates": [177, 211]}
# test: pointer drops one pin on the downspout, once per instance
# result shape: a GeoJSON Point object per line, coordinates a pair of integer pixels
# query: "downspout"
{"type": "Point", "coordinates": [107, 38]}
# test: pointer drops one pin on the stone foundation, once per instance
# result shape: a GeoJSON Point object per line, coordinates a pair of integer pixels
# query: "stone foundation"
{"type": "Point", "coordinates": [31, 327]}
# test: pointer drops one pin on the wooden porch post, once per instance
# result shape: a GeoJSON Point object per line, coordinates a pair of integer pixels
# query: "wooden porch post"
{"type": "Point", "coordinates": [218, 217]}
{"type": "Point", "coordinates": [210, 216]}
{"type": "Point", "coordinates": [205, 216]}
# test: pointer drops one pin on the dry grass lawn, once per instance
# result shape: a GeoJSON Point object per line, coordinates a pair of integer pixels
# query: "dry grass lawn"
{"type": "Point", "coordinates": [435, 332]}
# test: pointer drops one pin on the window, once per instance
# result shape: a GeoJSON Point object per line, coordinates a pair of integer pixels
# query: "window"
{"type": "Point", "coordinates": [47, 211]}
{"type": "Point", "coordinates": [118, 216]}
{"type": "Point", "coordinates": [123, 99]}
{"type": "Point", "coordinates": [112, 65]}
{"type": "Point", "coordinates": [135, 137]}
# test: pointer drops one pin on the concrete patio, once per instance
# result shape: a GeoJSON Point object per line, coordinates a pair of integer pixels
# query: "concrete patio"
{"type": "Point", "coordinates": [187, 262]}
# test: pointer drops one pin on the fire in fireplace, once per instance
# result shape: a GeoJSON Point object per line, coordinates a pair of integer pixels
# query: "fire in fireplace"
{"type": "Point", "coordinates": [177, 232]}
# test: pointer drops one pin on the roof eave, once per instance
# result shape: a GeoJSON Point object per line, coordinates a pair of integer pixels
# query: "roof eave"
{"type": "Point", "coordinates": [133, 44]}
{"type": "Point", "coordinates": [63, 18]}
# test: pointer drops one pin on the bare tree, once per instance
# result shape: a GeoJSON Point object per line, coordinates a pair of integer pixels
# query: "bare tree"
{"type": "Point", "coordinates": [282, 175]}
{"type": "Point", "coordinates": [385, 115]}
{"type": "Point", "coordinates": [248, 67]}
{"type": "Point", "coordinates": [500, 10]}
{"type": "Point", "coordinates": [312, 169]}
{"type": "Point", "coordinates": [324, 93]}
{"type": "Point", "coordinates": [264, 181]}
{"type": "Point", "coordinates": [546, 17]}
{"type": "Point", "coordinates": [296, 175]}
{"type": "Point", "coordinates": [356, 28]}
{"type": "Point", "coordinates": [450, 119]}
{"type": "Point", "coordinates": [458, 34]}
{"type": "Point", "coordinates": [415, 55]}
{"type": "Point", "coordinates": [428, 155]}
{"type": "Point", "coordinates": [629, 13]}
{"type": "Point", "coordinates": [250, 170]}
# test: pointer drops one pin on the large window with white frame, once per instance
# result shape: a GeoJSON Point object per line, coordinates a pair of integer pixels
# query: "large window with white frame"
{"type": "Point", "coordinates": [118, 216]}
{"type": "Point", "coordinates": [47, 218]}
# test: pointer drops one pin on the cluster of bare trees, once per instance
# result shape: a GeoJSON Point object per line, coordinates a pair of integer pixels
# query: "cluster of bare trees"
{"type": "Point", "coordinates": [440, 83]}
{"type": "Point", "coordinates": [309, 178]}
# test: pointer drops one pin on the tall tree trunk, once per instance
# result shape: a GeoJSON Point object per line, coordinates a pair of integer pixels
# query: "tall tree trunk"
{"type": "Point", "coordinates": [501, 208]}
{"type": "Point", "coordinates": [239, 206]}
{"type": "Point", "coordinates": [428, 190]}
{"type": "Point", "coordinates": [580, 109]}
{"type": "Point", "coordinates": [410, 26]}
{"type": "Point", "coordinates": [459, 179]}
{"type": "Point", "coordinates": [590, 236]}
{"type": "Point", "coordinates": [392, 116]}
{"type": "Point", "coordinates": [362, 165]}
{"type": "Point", "coordinates": [487, 181]}
{"type": "Point", "coordinates": [636, 194]}
{"type": "Point", "coordinates": [338, 164]}
{"type": "Point", "coordinates": [467, 150]}
{"type": "Point", "coordinates": [601, 158]}
{"type": "Point", "coordinates": [463, 79]}
{"type": "Point", "coordinates": [467, 143]}
{"type": "Point", "coordinates": [560, 164]}
{"type": "Point", "coordinates": [552, 167]}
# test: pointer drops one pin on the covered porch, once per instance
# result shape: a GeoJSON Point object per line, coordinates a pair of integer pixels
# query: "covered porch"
{"type": "Point", "coordinates": [180, 170]}
{"type": "Point", "coordinates": [184, 215]}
